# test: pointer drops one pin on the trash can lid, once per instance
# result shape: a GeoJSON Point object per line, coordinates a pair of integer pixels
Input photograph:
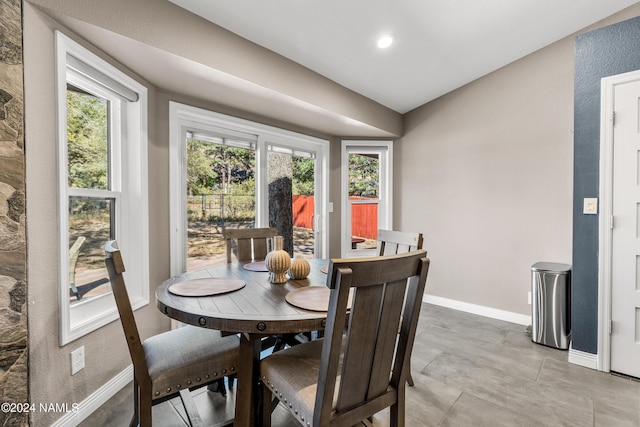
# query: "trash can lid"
{"type": "Point", "coordinates": [551, 266]}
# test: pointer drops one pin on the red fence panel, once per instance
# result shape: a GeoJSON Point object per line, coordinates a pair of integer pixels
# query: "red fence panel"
{"type": "Point", "coordinates": [364, 219]}
{"type": "Point", "coordinates": [303, 209]}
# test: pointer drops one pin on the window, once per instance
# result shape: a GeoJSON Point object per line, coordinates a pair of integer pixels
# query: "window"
{"type": "Point", "coordinates": [102, 180]}
{"type": "Point", "coordinates": [204, 197]}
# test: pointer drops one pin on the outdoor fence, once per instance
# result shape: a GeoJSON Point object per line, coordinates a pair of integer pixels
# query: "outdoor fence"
{"type": "Point", "coordinates": [232, 207]}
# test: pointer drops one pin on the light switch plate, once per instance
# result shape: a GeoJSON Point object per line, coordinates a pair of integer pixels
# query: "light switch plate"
{"type": "Point", "coordinates": [590, 206]}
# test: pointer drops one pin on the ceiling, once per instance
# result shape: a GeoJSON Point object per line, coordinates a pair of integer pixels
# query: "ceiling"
{"type": "Point", "coordinates": [440, 44]}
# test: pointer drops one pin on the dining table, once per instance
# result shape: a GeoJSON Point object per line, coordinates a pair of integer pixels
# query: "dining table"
{"type": "Point", "coordinates": [255, 308]}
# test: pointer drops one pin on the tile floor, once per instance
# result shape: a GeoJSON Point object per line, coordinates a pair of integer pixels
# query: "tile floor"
{"type": "Point", "coordinates": [468, 371]}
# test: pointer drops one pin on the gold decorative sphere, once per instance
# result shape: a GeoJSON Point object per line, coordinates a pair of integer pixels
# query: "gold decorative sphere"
{"type": "Point", "coordinates": [299, 269]}
{"type": "Point", "coordinates": [277, 262]}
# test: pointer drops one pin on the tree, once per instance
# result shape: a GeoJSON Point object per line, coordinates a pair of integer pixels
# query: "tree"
{"type": "Point", "coordinates": [87, 140]}
{"type": "Point", "coordinates": [303, 176]}
{"type": "Point", "coordinates": [200, 168]}
{"type": "Point", "coordinates": [363, 175]}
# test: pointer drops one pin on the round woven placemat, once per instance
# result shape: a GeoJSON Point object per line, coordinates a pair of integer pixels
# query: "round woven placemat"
{"type": "Point", "coordinates": [255, 266]}
{"type": "Point", "coordinates": [206, 287]}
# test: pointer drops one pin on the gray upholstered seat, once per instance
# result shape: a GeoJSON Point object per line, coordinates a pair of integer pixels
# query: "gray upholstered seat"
{"type": "Point", "coordinates": [168, 364]}
{"type": "Point", "coordinates": [183, 358]}
{"type": "Point", "coordinates": [345, 378]}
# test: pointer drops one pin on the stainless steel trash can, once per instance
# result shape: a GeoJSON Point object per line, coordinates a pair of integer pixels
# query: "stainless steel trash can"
{"type": "Point", "coordinates": [551, 304]}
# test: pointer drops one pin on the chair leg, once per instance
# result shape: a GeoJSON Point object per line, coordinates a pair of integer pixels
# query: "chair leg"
{"type": "Point", "coordinates": [218, 386]}
{"type": "Point", "coordinates": [397, 409]}
{"type": "Point", "coordinates": [409, 377]}
{"type": "Point", "coordinates": [410, 380]}
{"type": "Point", "coordinates": [266, 405]}
{"type": "Point", "coordinates": [190, 408]}
{"type": "Point", "coordinates": [231, 379]}
{"type": "Point", "coordinates": [144, 397]}
{"type": "Point", "coordinates": [135, 420]}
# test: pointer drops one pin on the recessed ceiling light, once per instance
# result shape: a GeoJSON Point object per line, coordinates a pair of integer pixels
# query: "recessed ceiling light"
{"type": "Point", "coordinates": [386, 40]}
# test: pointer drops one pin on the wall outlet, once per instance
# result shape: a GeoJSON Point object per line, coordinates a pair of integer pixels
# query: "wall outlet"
{"type": "Point", "coordinates": [77, 360]}
{"type": "Point", "coordinates": [529, 297]}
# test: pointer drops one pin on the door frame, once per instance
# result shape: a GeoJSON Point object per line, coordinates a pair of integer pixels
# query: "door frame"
{"type": "Point", "coordinates": [605, 253]}
{"type": "Point", "coordinates": [386, 187]}
{"type": "Point", "coordinates": [184, 118]}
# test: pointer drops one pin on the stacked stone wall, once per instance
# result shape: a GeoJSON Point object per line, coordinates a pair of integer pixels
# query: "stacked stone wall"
{"type": "Point", "coordinates": [13, 283]}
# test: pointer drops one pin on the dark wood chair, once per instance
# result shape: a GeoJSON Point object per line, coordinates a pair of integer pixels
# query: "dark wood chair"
{"type": "Point", "coordinates": [74, 251]}
{"type": "Point", "coordinates": [392, 242]}
{"type": "Point", "coordinates": [346, 377]}
{"type": "Point", "coordinates": [171, 363]}
{"type": "Point", "coordinates": [250, 243]}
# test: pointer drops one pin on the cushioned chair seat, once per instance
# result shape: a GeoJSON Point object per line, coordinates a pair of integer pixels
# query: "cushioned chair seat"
{"type": "Point", "coordinates": [181, 358]}
{"type": "Point", "coordinates": [293, 372]}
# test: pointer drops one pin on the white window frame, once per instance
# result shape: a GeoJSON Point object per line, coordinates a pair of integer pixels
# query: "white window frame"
{"type": "Point", "coordinates": [385, 199]}
{"type": "Point", "coordinates": [185, 118]}
{"type": "Point", "coordinates": [129, 187]}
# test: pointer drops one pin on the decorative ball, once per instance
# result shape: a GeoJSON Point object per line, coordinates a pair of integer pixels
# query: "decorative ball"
{"type": "Point", "coordinates": [277, 262]}
{"type": "Point", "coordinates": [299, 269]}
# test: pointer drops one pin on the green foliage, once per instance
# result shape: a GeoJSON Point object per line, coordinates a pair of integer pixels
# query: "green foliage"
{"type": "Point", "coordinates": [201, 176]}
{"type": "Point", "coordinates": [363, 175]}
{"type": "Point", "coordinates": [87, 140]}
{"type": "Point", "coordinates": [216, 168]}
{"type": "Point", "coordinates": [303, 174]}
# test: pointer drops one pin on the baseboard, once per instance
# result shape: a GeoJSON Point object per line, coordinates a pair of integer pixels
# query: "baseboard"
{"type": "Point", "coordinates": [581, 358]}
{"type": "Point", "coordinates": [494, 313]}
{"type": "Point", "coordinates": [96, 399]}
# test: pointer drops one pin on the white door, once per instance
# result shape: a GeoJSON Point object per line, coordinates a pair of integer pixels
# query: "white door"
{"type": "Point", "coordinates": [625, 257]}
{"type": "Point", "coordinates": [366, 195]}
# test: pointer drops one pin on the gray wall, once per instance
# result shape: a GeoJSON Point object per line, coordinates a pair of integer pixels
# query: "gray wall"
{"type": "Point", "coordinates": [13, 287]}
{"type": "Point", "coordinates": [485, 173]}
{"type": "Point", "coordinates": [600, 53]}
{"type": "Point", "coordinates": [494, 174]}
{"type": "Point", "coordinates": [106, 353]}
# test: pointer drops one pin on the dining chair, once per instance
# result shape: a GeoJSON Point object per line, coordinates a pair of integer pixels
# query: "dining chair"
{"type": "Point", "coordinates": [251, 243]}
{"type": "Point", "coordinates": [397, 242]}
{"type": "Point", "coordinates": [169, 364]}
{"type": "Point", "coordinates": [357, 371]}
{"type": "Point", "coordinates": [74, 252]}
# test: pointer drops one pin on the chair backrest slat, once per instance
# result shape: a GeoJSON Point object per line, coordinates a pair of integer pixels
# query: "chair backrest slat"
{"type": "Point", "coordinates": [398, 242]}
{"type": "Point", "coordinates": [359, 351]}
{"type": "Point", "coordinates": [115, 268]}
{"type": "Point", "coordinates": [375, 354]}
{"type": "Point", "coordinates": [390, 317]}
{"type": "Point", "coordinates": [251, 243]}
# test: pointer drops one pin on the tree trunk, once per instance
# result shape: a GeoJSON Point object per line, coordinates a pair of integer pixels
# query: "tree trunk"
{"type": "Point", "coordinates": [280, 196]}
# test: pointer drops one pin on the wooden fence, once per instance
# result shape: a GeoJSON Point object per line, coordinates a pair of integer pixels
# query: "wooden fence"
{"type": "Point", "coordinates": [364, 217]}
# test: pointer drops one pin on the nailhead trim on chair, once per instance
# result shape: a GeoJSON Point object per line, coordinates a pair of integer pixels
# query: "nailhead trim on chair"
{"type": "Point", "coordinates": [295, 410]}
{"type": "Point", "coordinates": [199, 379]}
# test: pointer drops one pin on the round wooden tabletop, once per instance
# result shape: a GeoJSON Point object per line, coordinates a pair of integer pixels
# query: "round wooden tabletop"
{"type": "Point", "coordinates": [259, 307]}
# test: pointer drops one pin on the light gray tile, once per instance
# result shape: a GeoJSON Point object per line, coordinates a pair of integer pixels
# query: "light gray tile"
{"type": "Point", "coordinates": [469, 371]}
{"type": "Point", "coordinates": [518, 339]}
{"type": "Point", "coordinates": [607, 416]}
{"type": "Point", "coordinates": [470, 410]}
{"type": "Point", "coordinates": [548, 405]}
{"type": "Point", "coordinates": [426, 403]}
{"type": "Point", "coordinates": [611, 390]}
{"type": "Point", "coordinates": [490, 354]}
